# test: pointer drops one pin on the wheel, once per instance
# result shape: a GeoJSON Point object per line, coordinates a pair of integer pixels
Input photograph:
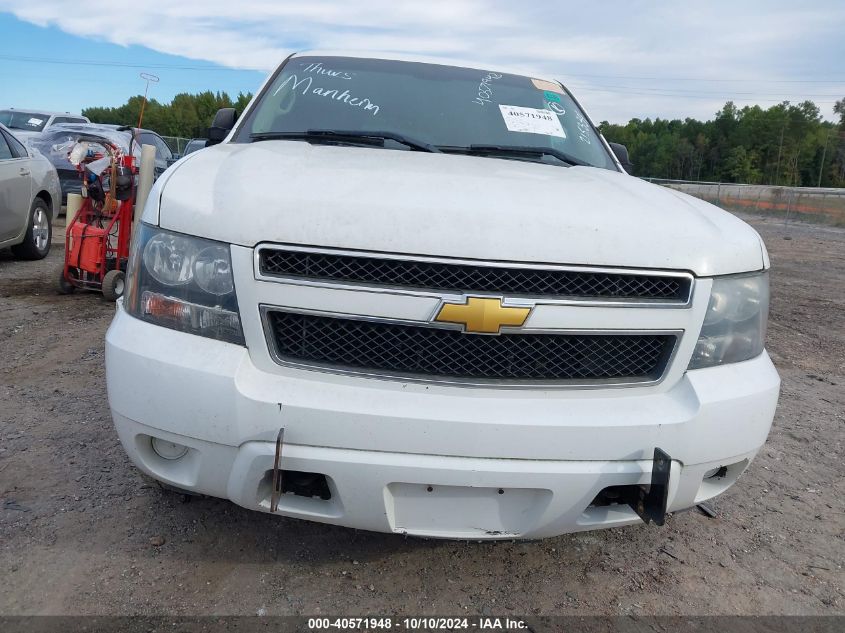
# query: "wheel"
{"type": "Point", "coordinates": [39, 233]}
{"type": "Point", "coordinates": [113, 284]}
{"type": "Point", "coordinates": [64, 286]}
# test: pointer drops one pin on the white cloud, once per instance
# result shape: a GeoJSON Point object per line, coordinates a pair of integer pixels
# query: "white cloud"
{"type": "Point", "coordinates": [603, 48]}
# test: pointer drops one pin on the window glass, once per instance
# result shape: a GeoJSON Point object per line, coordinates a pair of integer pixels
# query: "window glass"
{"type": "Point", "coordinates": [194, 145]}
{"type": "Point", "coordinates": [163, 149]}
{"type": "Point", "coordinates": [17, 148]}
{"type": "Point", "coordinates": [20, 120]}
{"type": "Point", "coordinates": [68, 119]}
{"type": "Point", "coordinates": [148, 138]}
{"type": "Point", "coordinates": [5, 152]}
{"type": "Point", "coordinates": [450, 107]}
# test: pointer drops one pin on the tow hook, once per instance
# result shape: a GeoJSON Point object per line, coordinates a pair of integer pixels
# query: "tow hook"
{"type": "Point", "coordinates": [650, 502]}
{"type": "Point", "coordinates": [277, 472]}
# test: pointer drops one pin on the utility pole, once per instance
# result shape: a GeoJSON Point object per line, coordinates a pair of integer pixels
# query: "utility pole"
{"type": "Point", "coordinates": [780, 147]}
{"type": "Point", "coordinates": [795, 174]}
{"type": "Point", "coordinates": [824, 153]}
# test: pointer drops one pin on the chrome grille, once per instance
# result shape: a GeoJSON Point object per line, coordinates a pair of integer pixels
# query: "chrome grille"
{"type": "Point", "coordinates": [467, 278]}
{"type": "Point", "coordinates": [438, 353]}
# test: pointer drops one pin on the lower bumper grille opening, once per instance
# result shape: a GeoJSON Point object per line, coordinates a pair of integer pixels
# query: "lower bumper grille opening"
{"type": "Point", "coordinates": [615, 495]}
{"type": "Point", "coordinates": [305, 484]}
{"type": "Point", "coordinates": [436, 353]}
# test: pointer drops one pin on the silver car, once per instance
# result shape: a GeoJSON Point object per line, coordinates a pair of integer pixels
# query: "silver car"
{"type": "Point", "coordinates": [30, 197]}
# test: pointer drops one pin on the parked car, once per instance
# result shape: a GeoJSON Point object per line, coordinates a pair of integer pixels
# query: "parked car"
{"type": "Point", "coordinates": [193, 145]}
{"type": "Point", "coordinates": [30, 123]}
{"type": "Point", "coordinates": [422, 298]}
{"type": "Point", "coordinates": [54, 143]}
{"type": "Point", "coordinates": [29, 198]}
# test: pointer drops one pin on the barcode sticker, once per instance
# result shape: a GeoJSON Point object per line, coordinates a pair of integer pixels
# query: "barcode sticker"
{"type": "Point", "coordinates": [532, 121]}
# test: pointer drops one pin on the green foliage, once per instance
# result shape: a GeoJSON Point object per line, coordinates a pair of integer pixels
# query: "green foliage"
{"type": "Point", "coordinates": [740, 166]}
{"type": "Point", "coordinates": [186, 115]}
{"type": "Point", "coordinates": [784, 144]}
{"type": "Point", "coordinates": [839, 109]}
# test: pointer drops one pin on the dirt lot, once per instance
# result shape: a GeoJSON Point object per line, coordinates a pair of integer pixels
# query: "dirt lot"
{"type": "Point", "coordinates": [77, 519]}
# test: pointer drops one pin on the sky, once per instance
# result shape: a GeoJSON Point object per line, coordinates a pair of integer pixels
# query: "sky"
{"type": "Point", "coordinates": [638, 58]}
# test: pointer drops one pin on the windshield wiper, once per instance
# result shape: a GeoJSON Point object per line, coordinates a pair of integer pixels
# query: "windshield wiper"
{"type": "Point", "coordinates": [354, 136]}
{"type": "Point", "coordinates": [520, 150]}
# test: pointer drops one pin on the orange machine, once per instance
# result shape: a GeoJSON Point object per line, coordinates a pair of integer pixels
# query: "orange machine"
{"type": "Point", "coordinates": [97, 239]}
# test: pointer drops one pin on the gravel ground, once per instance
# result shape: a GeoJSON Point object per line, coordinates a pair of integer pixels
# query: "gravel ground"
{"type": "Point", "coordinates": [82, 532]}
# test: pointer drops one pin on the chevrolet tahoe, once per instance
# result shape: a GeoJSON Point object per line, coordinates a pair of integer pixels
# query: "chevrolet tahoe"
{"type": "Point", "coordinates": [410, 296]}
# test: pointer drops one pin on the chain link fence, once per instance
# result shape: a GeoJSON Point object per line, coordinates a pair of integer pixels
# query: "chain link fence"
{"type": "Point", "coordinates": [815, 204]}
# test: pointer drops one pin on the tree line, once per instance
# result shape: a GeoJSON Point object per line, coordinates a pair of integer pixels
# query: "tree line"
{"type": "Point", "coordinates": [785, 144]}
{"type": "Point", "coordinates": [187, 115]}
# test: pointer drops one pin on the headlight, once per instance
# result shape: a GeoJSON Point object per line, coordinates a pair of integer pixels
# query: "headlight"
{"type": "Point", "coordinates": [169, 258]}
{"type": "Point", "coordinates": [734, 327]}
{"type": "Point", "coordinates": [184, 283]}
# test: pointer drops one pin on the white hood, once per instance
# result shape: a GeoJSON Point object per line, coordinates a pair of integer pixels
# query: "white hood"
{"type": "Point", "coordinates": [447, 205]}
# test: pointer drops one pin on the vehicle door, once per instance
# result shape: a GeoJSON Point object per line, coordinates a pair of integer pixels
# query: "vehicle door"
{"type": "Point", "coordinates": [15, 187]}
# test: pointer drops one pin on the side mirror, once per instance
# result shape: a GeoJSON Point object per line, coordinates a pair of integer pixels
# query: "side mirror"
{"type": "Point", "coordinates": [223, 123]}
{"type": "Point", "coordinates": [621, 153]}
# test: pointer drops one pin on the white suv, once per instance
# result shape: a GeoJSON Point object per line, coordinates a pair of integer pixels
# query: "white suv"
{"type": "Point", "coordinates": [426, 299]}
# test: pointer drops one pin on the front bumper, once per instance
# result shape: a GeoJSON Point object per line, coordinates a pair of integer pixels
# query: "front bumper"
{"type": "Point", "coordinates": [427, 460]}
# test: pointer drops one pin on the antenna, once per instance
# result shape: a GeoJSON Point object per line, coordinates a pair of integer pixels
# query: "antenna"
{"type": "Point", "coordinates": [148, 78]}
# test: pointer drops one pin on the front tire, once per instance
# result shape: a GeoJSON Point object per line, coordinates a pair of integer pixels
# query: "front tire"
{"type": "Point", "coordinates": [113, 285]}
{"type": "Point", "coordinates": [39, 233]}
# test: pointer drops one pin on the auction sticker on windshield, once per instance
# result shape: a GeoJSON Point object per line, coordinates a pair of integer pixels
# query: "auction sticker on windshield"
{"type": "Point", "coordinates": [532, 121]}
{"type": "Point", "coordinates": [543, 84]}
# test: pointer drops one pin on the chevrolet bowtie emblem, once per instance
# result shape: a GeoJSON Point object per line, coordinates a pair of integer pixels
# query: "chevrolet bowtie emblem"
{"type": "Point", "coordinates": [482, 315]}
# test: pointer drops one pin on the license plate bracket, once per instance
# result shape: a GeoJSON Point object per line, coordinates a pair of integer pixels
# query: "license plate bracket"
{"type": "Point", "coordinates": [650, 502]}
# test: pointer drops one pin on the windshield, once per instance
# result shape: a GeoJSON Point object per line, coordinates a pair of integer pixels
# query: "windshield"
{"type": "Point", "coordinates": [448, 107]}
{"type": "Point", "coordinates": [20, 120]}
